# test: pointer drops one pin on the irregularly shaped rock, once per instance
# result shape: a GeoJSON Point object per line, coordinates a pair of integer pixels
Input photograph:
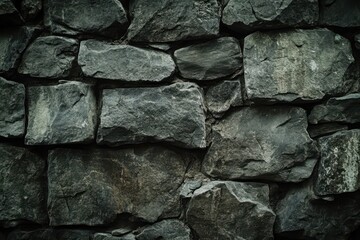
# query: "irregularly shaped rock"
{"type": "Point", "coordinates": [296, 65]}
{"type": "Point", "coordinates": [12, 105]}
{"type": "Point", "coordinates": [340, 13]}
{"type": "Point", "coordinates": [9, 15]}
{"type": "Point", "coordinates": [166, 230]}
{"type": "Point", "coordinates": [269, 143]}
{"type": "Point", "coordinates": [23, 185]}
{"type": "Point", "coordinates": [124, 62]}
{"type": "Point", "coordinates": [49, 57]}
{"type": "Point", "coordinates": [168, 21]}
{"type": "Point", "coordinates": [106, 236]}
{"type": "Point", "coordinates": [173, 114]}
{"type": "Point", "coordinates": [231, 210]}
{"type": "Point", "coordinates": [320, 130]}
{"type": "Point", "coordinates": [339, 168]}
{"type": "Point", "coordinates": [210, 60]}
{"type": "Point", "coordinates": [221, 97]}
{"type": "Point", "coordinates": [50, 234]}
{"type": "Point", "coordinates": [339, 109]}
{"type": "Point", "coordinates": [92, 186]}
{"type": "Point", "coordinates": [61, 114]}
{"type": "Point", "coordinates": [30, 9]}
{"type": "Point", "coordinates": [250, 15]}
{"type": "Point", "coordinates": [106, 17]}
{"type": "Point", "coordinates": [189, 187]}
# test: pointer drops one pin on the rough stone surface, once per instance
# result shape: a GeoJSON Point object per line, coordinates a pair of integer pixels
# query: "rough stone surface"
{"type": "Point", "coordinates": [320, 130]}
{"type": "Point", "coordinates": [245, 15]}
{"type": "Point", "coordinates": [49, 57]}
{"type": "Point", "coordinates": [9, 15]}
{"type": "Point", "coordinates": [339, 109]}
{"type": "Point", "coordinates": [106, 17]}
{"type": "Point", "coordinates": [339, 167]}
{"type": "Point", "coordinates": [173, 114]}
{"type": "Point", "coordinates": [12, 105]}
{"type": "Point", "coordinates": [30, 9]}
{"type": "Point", "coordinates": [210, 60]}
{"type": "Point", "coordinates": [166, 230]}
{"type": "Point", "coordinates": [357, 41]}
{"type": "Point", "coordinates": [168, 21]}
{"type": "Point", "coordinates": [296, 65]}
{"type": "Point", "coordinates": [268, 143]}
{"type": "Point", "coordinates": [60, 114]}
{"type": "Point", "coordinates": [231, 210]}
{"type": "Point", "coordinates": [50, 234]}
{"type": "Point", "coordinates": [124, 62]}
{"type": "Point", "coordinates": [340, 13]}
{"type": "Point", "coordinates": [23, 185]}
{"type": "Point", "coordinates": [92, 186]}
{"type": "Point", "coordinates": [106, 236]}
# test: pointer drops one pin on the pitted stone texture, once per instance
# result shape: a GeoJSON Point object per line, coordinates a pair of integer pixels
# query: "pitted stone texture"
{"type": "Point", "coordinates": [12, 105]}
{"type": "Point", "coordinates": [340, 13]}
{"type": "Point", "coordinates": [92, 186]}
{"type": "Point", "coordinates": [250, 15]}
{"type": "Point", "coordinates": [49, 57]}
{"type": "Point", "coordinates": [74, 17]}
{"type": "Point", "coordinates": [339, 167]}
{"type": "Point", "coordinates": [166, 230]}
{"type": "Point", "coordinates": [168, 20]}
{"type": "Point", "coordinates": [61, 114]}
{"type": "Point", "coordinates": [9, 15]}
{"type": "Point", "coordinates": [296, 65]}
{"type": "Point", "coordinates": [210, 60]}
{"type": "Point", "coordinates": [124, 62]}
{"type": "Point", "coordinates": [50, 234]}
{"type": "Point", "coordinates": [23, 185]}
{"type": "Point", "coordinates": [231, 210]}
{"type": "Point", "coordinates": [173, 114]}
{"type": "Point", "coordinates": [339, 109]}
{"type": "Point", "coordinates": [30, 9]}
{"type": "Point", "coordinates": [268, 143]}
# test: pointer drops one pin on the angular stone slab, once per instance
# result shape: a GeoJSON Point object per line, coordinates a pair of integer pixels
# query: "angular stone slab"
{"type": "Point", "coordinates": [210, 60]}
{"type": "Point", "coordinates": [12, 105]}
{"type": "Point", "coordinates": [344, 109]}
{"type": "Point", "coordinates": [23, 185]}
{"type": "Point", "coordinates": [340, 13]}
{"type": "Point", "coordinates": [173, 114]}
{"type": "Point", "coordinates": [267, 143]}
{"type": "Point", "coordinates": [9, 15]}
{"type": "Point", "coordinates": [296, 65]}
{"type": "Point", "coordinates": [231, 210]}
{"type": "Point", "coordinates": [74, 17]}
{"type": "Point", "coordinates": [168, 20]}
{"type": "Point", "coordinates": [61, 114]}
{"type": "Point", "coordinates": [166, 230]}
{"type": "Point", "coordinates": [248, 15]}
{"type": "Point", "coordinates": [339, 167]}
{"type": "Point", "coordinates": [320, 130]}
{"type": "Point", "coordinates": [92, 186]}
{"type": "Point", "coordinates": [124, 62]}
{"type": "Point", "coordinates": [49, 57]}
{"type": "Point", "coordinates": [53, 234]}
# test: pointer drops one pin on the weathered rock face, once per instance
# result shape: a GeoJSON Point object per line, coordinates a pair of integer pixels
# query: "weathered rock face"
{"type": "Point", "coordinates": [9, 15]}
{"type": "Point", "coordinates": [23, 186]}
{"type": "Point", "coordinates": [173, 114]}
{"type": "Point", "coordinates": [296, 65]}
{"type": "Point", "coordinates": [92, 186]}
{"type": "Point", "coordinates": [106, 17]}
{"type": "Point", "coordinates": [262, 143]}
{"type": "Point", "coordinates": [231, 210]}
{"type": "Point", "coordinates": [249, 15]}
{"type": "Point", "coordinates": [106, 236]}
{"type": "Point", "coordinates": [166, 230]}
{"type": "Point", "coordinates": [340, 13]}
{"type": "Point", "coordinates": [210, 60]}
{"type": "Point", "coordinates": [47, 234]}
{"type": "Point", "coordinates": [61, 114]}
{"type": "Point", "coordinates": [12, 105]}
{"type": "Point", "coordinates": [30, 9]}
{"type": "Point", "coordinates": [168, 21]}
{"type": "Point", "coordinates": [124, 62]}
{"type": "Point", "coordinates": [339, 109]}
{"type": "Point", "coordinates": [50, 57]}
{"type": "Point", "coordinates": [339, 168]}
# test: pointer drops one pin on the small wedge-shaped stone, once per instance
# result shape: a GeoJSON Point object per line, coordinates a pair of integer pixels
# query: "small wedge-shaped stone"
{"type": "Point", "coordinates": [124, 62]}
{"type": "Point", "coordinates": [231, 210]}
{"type": "Point", "coordinates": [269, 143]}
{"type": "Point", "coordinates": [340, 13]}
{"type": "Point", "coordinates": [61, 114]}
{"type": "Point", "coordinates": [210, 60]}
{"type": "Point", "coordinates": [173, 114]}
{"type": "Point", "coordinates": [166, 230]}
{"type": "Point", "coordinates": [296, 65]}
{"type": "Point", "coordinates": [9, 15]}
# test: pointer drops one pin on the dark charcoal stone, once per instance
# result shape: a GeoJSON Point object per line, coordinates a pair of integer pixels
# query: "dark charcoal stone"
{"type": "Point", "coordinates": [30, 9]}
{"type": "Point", "coordinates": [50, 234]}
{"type": "Point", "coordinates": [320, 130]}
{"type": "Point", "coordinates": [9, 15]}
{"type": "Point", "coordinates": [340, 13]}
{"type": "Point", "coordinates": [165, 230]}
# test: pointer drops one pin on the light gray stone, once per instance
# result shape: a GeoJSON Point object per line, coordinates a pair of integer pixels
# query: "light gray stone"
{"type": "Point", "coordinates": [165, 230]}
{"type": "Point", "coordinates": [320, 130]}
{"type": "Point", "coordinates": [296, 65]}
{"type": "Point", "coordinates": [340, 13]}
{"type": "Point", "coordinates": [173, 114]}
{"type": "Point", "coordinates": [9, 15]}
{"type": "Point", "coordinates": [106, 236]}
{"type": "Point", "coordinates": [189, 187]}
{"type": "Point", "coordinates": [61, 114]}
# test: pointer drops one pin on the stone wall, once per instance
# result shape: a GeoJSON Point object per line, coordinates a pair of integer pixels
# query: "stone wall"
{"type": "Point", "coordinates": [179, 119]}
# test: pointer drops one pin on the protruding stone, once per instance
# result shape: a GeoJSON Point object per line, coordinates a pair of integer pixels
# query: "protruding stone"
{"type": "Point", "coordinates": [9, 15]}
{"type": "Point", "coordinates": [210, 60]}
{"type": "Point", "coordinates": [30, 9]}
{"type": "Point", "coordinates": [166, 230]}
{"type": "Point", "coordinates": [168, 20]}
{"type": "Point", "coordinates": [47, 234]}
{"type": "Point", "coordinates": [61, 114]}
{"type": "Point", "coordinates": [320, 130]}
{"type": "Point", "coordinates": [124, 62]}
{"type": "Point", "coordinates": [340, 13]}
{"type": "Point", "coordinates": [173, 114]}
{"type": "Point", "coordinates": [231, 210]}
{"type": "Point", "coordinates": [296, 65]}
{"type": "Point", "coordinates": [268, 143]}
